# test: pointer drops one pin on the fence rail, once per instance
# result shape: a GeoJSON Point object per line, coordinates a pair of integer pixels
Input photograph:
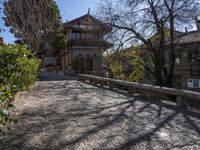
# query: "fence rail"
{"type": "Point", "coordinates": [181, 95]}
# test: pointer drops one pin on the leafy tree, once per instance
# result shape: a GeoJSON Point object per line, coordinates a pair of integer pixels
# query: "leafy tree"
{"type": "Point", "coordinates": [126, 64]}
{"type": "Point", "coordinates": [35, 22]}
{"type": "Point", "coordinates": [137, 21]}
{"type": "Point", "coordinates": [59, 41]}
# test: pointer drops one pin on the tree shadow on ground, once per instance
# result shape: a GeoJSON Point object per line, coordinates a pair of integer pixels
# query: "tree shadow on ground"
{"type": "Point", "coordinates": [93, 117]}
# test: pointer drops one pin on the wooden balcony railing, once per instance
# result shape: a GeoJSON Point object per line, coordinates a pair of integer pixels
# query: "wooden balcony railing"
{"type": "Point", "coordinates": [86, 42]}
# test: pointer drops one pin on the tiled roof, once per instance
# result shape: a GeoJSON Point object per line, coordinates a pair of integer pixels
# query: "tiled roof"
{"type": "Point", "coordinates": [189, 37]}
{"type": "Point", "coordinates": [70, 23]}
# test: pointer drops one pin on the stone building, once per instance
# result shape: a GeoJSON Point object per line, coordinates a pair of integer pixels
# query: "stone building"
{"type": "Point", "coordinates": [187, 64]}
{"type": "Point", "coordinates": [187, 68]}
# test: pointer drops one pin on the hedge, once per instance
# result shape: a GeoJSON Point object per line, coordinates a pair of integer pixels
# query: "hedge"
{"type": "Point", "coordinates": [18, 70]}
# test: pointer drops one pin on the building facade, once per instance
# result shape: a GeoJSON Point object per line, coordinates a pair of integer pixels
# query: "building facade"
{"type": "Point", "coordinates": [187, 68]}
{"type": "Point", "coordinates": [187, 63]}
{"type": "Point", "coordinates": [86, 44]}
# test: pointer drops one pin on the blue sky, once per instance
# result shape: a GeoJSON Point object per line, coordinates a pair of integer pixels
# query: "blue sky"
{"type": "Point", "coordinates": [69, 10]}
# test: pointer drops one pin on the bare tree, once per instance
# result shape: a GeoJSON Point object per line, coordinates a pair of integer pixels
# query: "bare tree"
{"type": "Point", "coordinates": [1, 2]}
{"type": "Point", "coordinates": [152, 24]}
{"type": "Point", "coordinates": [33, 21]}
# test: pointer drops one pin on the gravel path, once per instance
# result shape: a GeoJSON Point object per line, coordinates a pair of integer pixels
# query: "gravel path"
{"type": "Point", "coordinates": [70, 115]}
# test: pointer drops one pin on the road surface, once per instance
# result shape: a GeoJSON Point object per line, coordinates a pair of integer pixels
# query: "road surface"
{"type": "Point", "coordinates": [71, 115]}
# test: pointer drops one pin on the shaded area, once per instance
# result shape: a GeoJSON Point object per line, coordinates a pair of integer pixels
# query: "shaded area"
{"type": "Point", "coordinates": [51, 76]}
{"type": "Point", "coordinates": [61, 115]}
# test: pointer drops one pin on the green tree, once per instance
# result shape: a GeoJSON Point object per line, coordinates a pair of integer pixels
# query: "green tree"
{"type": "Point", "coordinates": [34, 22]}
{"type": "Point", "coordinates": [126, 65]}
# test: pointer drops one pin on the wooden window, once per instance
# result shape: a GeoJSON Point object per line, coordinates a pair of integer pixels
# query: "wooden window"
{"type": "Point", "coordinates": [83, 36]}
{"type": "Point", "coordinates": [78, 35]}
{"type": "Point", "coordinates": [73, 35]}
{"type": "Point", "coordinates": [196, 83]}
{"type": "Point", "coordinates": [82, 26]}
{"type": "Point", "coordinates": [87, 55]}
{"type": "Point", "coordinates": [195, 70]}
{"type": "Point", "coordinates": [194, 57]}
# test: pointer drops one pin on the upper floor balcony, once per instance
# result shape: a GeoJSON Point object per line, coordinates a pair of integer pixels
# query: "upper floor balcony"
{"type": "Point", "coordinates": [82, 36]}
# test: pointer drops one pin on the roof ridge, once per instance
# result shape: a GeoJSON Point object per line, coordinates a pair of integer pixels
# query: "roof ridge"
{"type": "Point", "coordinates": [73, 20]}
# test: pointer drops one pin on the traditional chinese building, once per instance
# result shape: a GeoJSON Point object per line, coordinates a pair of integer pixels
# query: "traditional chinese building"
{"type": "Point", "coordinates": [86, 44]}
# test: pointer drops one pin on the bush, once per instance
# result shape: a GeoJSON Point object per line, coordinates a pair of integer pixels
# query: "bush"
{"type": "Point", "coordinates": [18, 70]}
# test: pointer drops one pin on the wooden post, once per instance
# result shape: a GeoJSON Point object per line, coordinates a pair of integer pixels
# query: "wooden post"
{"type": "Point", "coordinates": [180, 101]}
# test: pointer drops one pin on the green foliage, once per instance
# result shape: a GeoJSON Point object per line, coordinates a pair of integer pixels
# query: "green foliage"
{"type": "Point", "coordinates": [6, 95]}
{"type": "Point", "coordinates": [18, 70]}
{"type": "Point", "coordinates": [18, 66]}
{"type": "Point", "coordinates": [35, 22]}
{"type": "Point", "coordinates": [126, 65]}
{"type": "Point", "coordinates": [59, 41]}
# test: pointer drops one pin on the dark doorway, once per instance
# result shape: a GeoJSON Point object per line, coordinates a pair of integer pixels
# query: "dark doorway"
{"type": "Point", "coordinates": [89, 63]}
{"type": "Point", "coordinates": [78, 64]}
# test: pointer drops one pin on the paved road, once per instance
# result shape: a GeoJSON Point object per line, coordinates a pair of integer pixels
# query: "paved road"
{"type": "Point", "coordinates": [50, 76]}
{"type": "Point", "coordinates": [68, 115]}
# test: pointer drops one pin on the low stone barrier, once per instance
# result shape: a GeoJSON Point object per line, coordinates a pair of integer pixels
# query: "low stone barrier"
{"type": "Point", "coordinates": [181, 95]}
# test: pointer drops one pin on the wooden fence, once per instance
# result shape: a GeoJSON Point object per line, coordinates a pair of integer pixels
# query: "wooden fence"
{"type": "Point", "coordinates": [148, 90]}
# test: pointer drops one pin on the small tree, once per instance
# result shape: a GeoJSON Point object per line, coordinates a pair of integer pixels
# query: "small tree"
{"type": "Point", "coordinates": [34, 22]}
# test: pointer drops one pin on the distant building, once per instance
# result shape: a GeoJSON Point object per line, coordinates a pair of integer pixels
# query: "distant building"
{"type": "Point", "coordinates": [85, 45]}
{"type": "Point", "coordinates": [187, 68]}
{"type": "Point", "coordinates": [187, 63]}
